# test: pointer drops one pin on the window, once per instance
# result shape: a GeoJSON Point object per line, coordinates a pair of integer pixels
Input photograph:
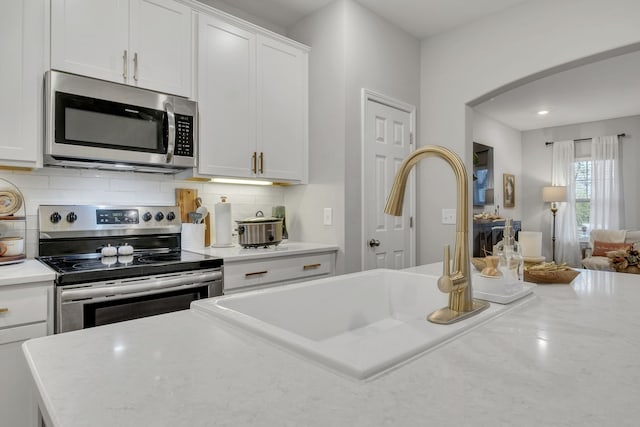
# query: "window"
{"type": "Point", "coordinates": [582, 174]}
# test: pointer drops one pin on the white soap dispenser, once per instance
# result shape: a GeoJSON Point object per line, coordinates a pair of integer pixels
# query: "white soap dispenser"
{"type": "Point", "coordinates": [510, 257]}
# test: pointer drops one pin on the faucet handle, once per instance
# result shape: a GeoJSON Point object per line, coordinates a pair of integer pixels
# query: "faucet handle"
{"type": "Point", "coordinates": [445, 283]}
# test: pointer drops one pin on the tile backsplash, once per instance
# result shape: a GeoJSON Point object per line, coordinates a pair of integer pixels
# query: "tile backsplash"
{"type": "Point", "coordinates": [79, 186]}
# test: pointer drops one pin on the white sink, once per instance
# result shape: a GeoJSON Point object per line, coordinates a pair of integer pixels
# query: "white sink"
{"type": "Point", "coordinates": [358, 324]}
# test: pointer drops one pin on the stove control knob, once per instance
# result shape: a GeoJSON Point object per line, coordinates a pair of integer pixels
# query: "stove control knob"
{"type": "Point", "coordinates": [171, 216]}
{"type": "Point", "coordinates": [72, 217]}
{"type": "Point", "coordinates": [55, 217]}
{"type": "Point", "coordinates": [147, 216]}
{"type": "Point", "coordinates": [159, 216]}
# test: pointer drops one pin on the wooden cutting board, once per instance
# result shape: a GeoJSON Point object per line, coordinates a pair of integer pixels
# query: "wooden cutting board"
{"type": "Point", "coordinates": [186, 200]}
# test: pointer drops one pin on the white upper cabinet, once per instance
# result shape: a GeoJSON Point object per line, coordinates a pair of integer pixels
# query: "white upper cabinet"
{"type": "Point", "coordinates": [22, 49]}
{"type": "Point", "coordinates": [160, 42]}
{"type": "Point", "coordinates": [90, 37]}
{"type": "Point", "coordinates": [226, 95]}
{"type": "Point", "coordinates": [282, 109]}
{"type": "Point", "coordinates": [145, 43]}
{"type": "Point", "coordinates": [252, 98]}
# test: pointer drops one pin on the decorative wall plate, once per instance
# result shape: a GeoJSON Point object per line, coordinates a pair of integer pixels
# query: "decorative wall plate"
{"type": "Point", "coordinates": [10, 202]}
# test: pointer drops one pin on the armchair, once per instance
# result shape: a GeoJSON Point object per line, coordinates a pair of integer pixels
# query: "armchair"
{"type": "Point", "coordinates": [602, 241]}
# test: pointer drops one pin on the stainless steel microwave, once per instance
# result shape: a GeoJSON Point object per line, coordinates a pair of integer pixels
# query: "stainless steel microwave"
{"type": "Point", "coordinates": [92, 123]}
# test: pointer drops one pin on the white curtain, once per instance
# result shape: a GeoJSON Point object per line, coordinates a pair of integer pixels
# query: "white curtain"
{"type": "Point", "coordinates": [562, 173]}
{"type": "Point", "coordinates": [606, 203]}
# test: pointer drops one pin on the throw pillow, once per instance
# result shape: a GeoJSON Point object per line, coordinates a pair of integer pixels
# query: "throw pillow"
{"type": "Point", "coordinates": [601, 248]}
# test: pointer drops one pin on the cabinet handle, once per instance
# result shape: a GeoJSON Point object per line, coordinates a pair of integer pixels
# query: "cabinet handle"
{"type": "Point", "coordinates": [261, 162]}
{"type": "Point", "coordinates": [135, 66]}
{"type": "Point", "coordinates": [125, 62]}
{"type": "Point", "coordinates": [311, 266]}
{"type": "Point", "coordinates": [257, 273]}
{"type": "Point", "coordinates": [254, 168]}
{"type": "Point", "coordinates": [4, 310]}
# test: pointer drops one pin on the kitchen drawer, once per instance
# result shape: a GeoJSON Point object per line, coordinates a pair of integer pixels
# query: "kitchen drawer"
{"type": "Point", "coordinates": [23, 333]}
{"type": "Point", "coordinates": [20, 305]}
{"type": "Point", "coordinates": [273, 270]}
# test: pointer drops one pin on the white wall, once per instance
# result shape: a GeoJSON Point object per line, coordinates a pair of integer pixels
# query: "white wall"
{"type": "Point", "coordinates": [351, 48]}
{"type": "Point", "coordinates": [77, 186]}
{"type": "Point", "coordinates": [324, 31]}
{"type": "Point", "coordinates": [537, 170]}
{"type": "Point", "coordinates": [469, 62]}
{"type": "Point", "coordinates": [383, 58]}
{"type": "Point", "coordinates": [225, 6]}
{"type": "Point", "coordinates": [507, 158]}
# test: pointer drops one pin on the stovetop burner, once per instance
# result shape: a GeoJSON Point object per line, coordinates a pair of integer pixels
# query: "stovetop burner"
{"type": "Point", "coordinates": [80, 268]}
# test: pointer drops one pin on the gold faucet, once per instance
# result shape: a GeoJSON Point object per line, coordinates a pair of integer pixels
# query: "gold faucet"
{"type": "Point", "coordinates": [456, 284]}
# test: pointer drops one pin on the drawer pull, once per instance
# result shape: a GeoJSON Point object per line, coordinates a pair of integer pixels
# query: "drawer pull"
{"type": "Point", "coordinates": [4, 310]}
{"type": "Point", "coordinates": [311, 266]}
{"type": "Point", "coordinates": [257, 273]}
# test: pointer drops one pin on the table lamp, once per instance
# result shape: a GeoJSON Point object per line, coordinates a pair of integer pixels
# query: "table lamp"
{"type": "Point", "coordinates": [554, 194]}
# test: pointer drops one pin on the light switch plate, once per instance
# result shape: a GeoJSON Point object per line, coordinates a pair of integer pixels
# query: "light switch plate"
{"type": "Point", "coordinates": [448, 216]}
{"type": "Point", "coordinates": [328, 216]}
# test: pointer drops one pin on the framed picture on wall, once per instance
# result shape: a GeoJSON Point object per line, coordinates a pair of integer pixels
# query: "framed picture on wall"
{"type": "Point", "coordinates": [509, 190]}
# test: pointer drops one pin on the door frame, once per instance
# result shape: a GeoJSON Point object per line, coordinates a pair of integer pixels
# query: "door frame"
{"type": "Point", "coordinates": [410, 192]}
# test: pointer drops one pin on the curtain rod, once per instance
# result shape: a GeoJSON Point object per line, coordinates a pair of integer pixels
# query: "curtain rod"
{"type": "Point", "coordinates": [620, 135]}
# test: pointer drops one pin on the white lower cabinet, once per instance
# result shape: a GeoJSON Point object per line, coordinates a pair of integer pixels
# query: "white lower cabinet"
{"type": "Point", "coordinates": [24, 314]}
{"type": "Point", "coordinates": [249, 275]}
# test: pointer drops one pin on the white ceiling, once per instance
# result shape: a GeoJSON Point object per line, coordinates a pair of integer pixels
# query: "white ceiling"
{"type": "Point", "coordinates": [598, 91]}
{"type": "Point", "coordinates": [422, 18]}
{"type": "Point", "coordinates": [602, 90]}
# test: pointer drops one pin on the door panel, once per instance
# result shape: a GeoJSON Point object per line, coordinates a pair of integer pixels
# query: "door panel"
{"type": "Point", "coordinates": [226, 94]}
{"type": "Point", "coordinates": [281, 109]}
{"type": "Point", "coordinates": [387, 142]}
{"type": "Point", "coordinates": [160, 55]}
{"type": "Point", "coordinates": [90, 37]}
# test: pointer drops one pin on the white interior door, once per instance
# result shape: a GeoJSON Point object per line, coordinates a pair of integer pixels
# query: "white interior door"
{"type": "Point", "coordinates": [389, 241]}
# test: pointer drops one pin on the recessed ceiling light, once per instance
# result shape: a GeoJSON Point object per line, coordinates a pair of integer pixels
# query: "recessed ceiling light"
{"type": "Point", "coordinates": [543, 112]}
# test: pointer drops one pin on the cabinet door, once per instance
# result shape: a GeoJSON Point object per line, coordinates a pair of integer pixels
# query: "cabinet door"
{"type": "Point", "coordinates": [18, 407]}
{"type": "Point", "coordinates": [90, 37]}
{"type": "Point", "coordinates": [21, 73]}
{"type": "Point", "coordinates": [160, 46]}
{"type": "Point", "coordinates": [282, 109]}
{"type": "Point", "coordinates": [226, 98]}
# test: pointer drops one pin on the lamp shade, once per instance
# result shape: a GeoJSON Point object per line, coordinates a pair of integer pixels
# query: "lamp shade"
{"type": "Point", "coordinates": [554, 193]}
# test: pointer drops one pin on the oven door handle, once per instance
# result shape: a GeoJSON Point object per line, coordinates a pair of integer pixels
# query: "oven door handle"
{"type": "Point", "coordinates": [162, 284]}
{"type": "Point", "coordinates": [171, 119]}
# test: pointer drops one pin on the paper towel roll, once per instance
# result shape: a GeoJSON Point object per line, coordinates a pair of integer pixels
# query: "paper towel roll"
{"type": "Point", "coordinates": [222, 214]}
{"type": "Point", "coordinates": [192, 236]}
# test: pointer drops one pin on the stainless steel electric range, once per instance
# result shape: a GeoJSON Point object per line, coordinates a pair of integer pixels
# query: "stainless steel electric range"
{"type": "Point", "coordinates": [116, 263]}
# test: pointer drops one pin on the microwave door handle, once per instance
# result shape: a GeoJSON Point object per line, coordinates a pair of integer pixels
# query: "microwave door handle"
{"type": "Point", "coordinates": [171, 118]}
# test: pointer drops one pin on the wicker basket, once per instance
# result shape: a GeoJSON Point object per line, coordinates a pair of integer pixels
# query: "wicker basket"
{"type": "Point", "coordinates": [550, 277]}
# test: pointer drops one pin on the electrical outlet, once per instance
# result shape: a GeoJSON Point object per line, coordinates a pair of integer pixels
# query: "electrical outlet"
{"type": "Point", "coordinates": [328, 216]}
{"type": "Point", "coordinates": [448, 216]}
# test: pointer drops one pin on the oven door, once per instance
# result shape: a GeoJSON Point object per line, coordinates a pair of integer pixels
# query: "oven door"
{"type": "Point", "coordinates": [120, 129]}
{"type": "Point", "coordinates": [88, 305]}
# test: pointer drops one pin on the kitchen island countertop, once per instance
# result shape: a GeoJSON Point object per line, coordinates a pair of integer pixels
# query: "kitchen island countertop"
{"type": "Point", "coordinates": [568, 357]}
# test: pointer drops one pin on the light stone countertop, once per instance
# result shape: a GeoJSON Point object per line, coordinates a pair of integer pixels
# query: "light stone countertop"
{"type": "Point", "coordinates": [237, 253]}
{"type": "Point", "coordinates": [29, 271]}
{"type": "Point", "coordinates": [568, 357]}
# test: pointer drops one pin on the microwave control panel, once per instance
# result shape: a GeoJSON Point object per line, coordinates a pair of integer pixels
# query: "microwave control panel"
{"type": "Point", "coordinates": [184, 136]}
